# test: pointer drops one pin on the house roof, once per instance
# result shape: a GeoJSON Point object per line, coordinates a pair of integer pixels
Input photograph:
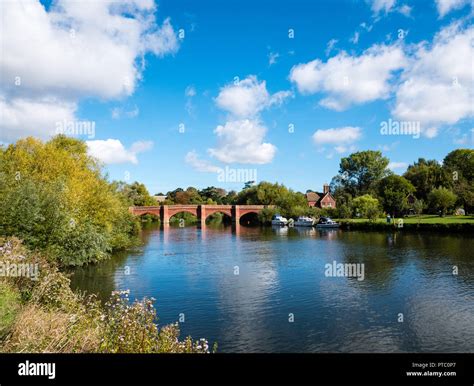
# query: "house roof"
{"type": "Point", "coordinates": [312, 196]}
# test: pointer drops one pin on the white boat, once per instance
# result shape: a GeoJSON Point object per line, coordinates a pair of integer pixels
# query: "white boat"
{"type": "Point", "coordinates": [279, 220]}
{"type": "Point", "coordinates": [304, 221]}
{"type": "Point", "coordinates": [326, 222]}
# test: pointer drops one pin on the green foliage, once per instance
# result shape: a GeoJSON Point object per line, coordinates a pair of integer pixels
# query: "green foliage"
{"type": "Point", "coordinates": [9, 307]}
{"type": "Point", "coordinates": [425, 176]}
{"type": "Point", "coordinates": [56, 319]}
{"type": "Point", "coordinates": [344, 211]}
{"type": "Point", "coordinates": [366, 206]}
{"type": "Point", "coordinates": [393, 191]}
{"type": "Point", "coordinates": [288, 203]}
{"type": "Point", "coordinates": [55, 198]}
{"type": "Point", "coordinates": [360, 172]}
{"type": "Point", "coordinates": [266, 214]}
{"type": "Point", "coordinates": [442, 199]}
{"type": "Point", "coordinates": [459, 164]}
{"type": "Point", "coordinates": [136, 194]}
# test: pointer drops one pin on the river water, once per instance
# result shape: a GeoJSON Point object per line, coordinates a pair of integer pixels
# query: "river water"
{"type": "Point", "coordinates": [267, 289]}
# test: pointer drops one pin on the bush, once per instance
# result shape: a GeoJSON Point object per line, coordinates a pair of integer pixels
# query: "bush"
{"type": "Point", "coordinates": [55, 198]}
{"type": "Point", "coordinates": [50, 317]}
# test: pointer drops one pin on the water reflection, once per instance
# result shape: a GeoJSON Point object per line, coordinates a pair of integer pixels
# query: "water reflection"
{"type": "Point", "coordinates": [237, 285]}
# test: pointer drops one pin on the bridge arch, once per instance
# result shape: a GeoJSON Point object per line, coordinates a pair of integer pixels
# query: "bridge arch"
{"type": "Point", "coordinates": [166, 212]}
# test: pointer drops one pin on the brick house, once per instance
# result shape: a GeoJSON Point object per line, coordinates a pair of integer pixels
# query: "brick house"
{"type": "Point", "coordinates": [321, 200]}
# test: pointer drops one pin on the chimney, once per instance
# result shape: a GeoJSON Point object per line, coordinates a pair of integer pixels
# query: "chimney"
{"type": "Point", "coordinates": [325, 188]}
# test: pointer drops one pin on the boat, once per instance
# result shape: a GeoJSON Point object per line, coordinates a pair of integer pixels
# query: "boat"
{"type": "Point", "coordinates": [326, 222]}
{"type": "Point", "coordinates": [304, 221]}
{"type": "Point", "coordinates": [279, 220]}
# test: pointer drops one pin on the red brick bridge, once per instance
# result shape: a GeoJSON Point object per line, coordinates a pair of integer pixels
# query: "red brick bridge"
{"type": "Point", "coordinates": [165, 212]}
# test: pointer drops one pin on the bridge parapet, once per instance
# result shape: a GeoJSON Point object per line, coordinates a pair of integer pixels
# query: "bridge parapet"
{"type": "Point", "coordinates": [165, 212]}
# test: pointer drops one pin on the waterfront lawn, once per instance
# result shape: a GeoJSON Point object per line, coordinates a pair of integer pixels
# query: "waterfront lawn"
{"type": "Point", "coordinates": [423, 219]}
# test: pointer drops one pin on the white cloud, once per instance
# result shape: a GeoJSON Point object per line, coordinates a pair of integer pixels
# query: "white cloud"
{"type": "Point", "coordinates": [367, 27]}
{"type": "Point", "coordinates": [446, 6]}
{"type": "Point", "coordinates": [272, 58]}
{"type": "Point", "coordinates": [141, 146]}
{"type": "Point", "coordinates": [397, 165]}
{"type": "Point", "coordinates": [349, 79]}
{"type": "Point", "coordinates": [330, 46]}
{"type": "Point", "coordinates": [437, 86]}
{"type": "Point", "coordinates": [118, 112]}
{"type": "Point", "coordinates": [379, 6]}
{"type": "Point", "coordinates": [430, 132]}
{"type": "Point", "coordinates": [200, 165]}
{"type": "Point", "coordinates": [405, 10]}
{"type": "Point", "coordinates": [248, 97]}
{"type": "Point", "coordinates": [190, 91]}
{"type": "Point", "coordinates": [112, 151]}
{"type": "Point", "coordinates": [340, 136]}
{"type": "Point", "coordinates": [241, 141]}
{"type": "Point", "coordinates": [21, 117]}
{"type": "Point", "coordinates": [355, 38]}
{"type": "Point", "coordinates": [75, 50]}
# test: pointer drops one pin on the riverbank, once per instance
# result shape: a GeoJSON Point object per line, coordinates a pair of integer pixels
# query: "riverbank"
{"type": "Point", "coordinates": [43, 314]}
{"type": "Point", "coordinates": [416, 223]}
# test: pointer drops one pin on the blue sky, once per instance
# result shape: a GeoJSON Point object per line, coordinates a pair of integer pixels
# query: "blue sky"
{"type": "Point", "coordinates": [237, 80]}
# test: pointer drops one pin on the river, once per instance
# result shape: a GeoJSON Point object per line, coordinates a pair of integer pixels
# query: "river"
{"type": "Point", "coordinates": [267, 290]}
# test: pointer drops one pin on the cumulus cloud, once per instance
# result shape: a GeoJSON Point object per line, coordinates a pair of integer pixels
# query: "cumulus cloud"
{"type": "Point", "coordinates": [446, 6]}
{"type": "Point", "coordinates": [248, 97]}
{"type": "Point", "coordinates": [200, 165]}
{"type": "Point", "coordinates": [437, 87]}
{"type": "Point", "coordinates": [341, 135]}
{"type": "Point", "coordinates": [349, 80]}
{"type": "Point", "coordinates": [21, 117]}
{"type": "Point", "coordinates": [241, 141]}
{"type": "Point", "coordinates": [241, 138]}
{"type": "Point", "coordinates": [74, 50]}
{"type": "Point", "coordinates": [112, 151]}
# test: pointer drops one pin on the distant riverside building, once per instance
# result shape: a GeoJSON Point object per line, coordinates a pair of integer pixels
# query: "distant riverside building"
{"type": "Point", "coordinates": [321, 200]}
{"type": "Point", "coordinates": [159, 198]}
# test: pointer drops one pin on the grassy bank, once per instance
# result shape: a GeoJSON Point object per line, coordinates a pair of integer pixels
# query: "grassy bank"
{"type": "Point", "coordinates": [45, 315]}
{"type": "Point", "coordinates": [424, 222]}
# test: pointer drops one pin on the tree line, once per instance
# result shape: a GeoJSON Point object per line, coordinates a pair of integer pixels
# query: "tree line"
{"type": "Point", "coordinates": [364, 187]}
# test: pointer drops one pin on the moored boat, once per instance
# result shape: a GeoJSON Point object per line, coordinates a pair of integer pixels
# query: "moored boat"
{"type": "Point", "coordinates": [304, 221]}
{"type": "Point", "coordinates": [326, 222]}
{"type": "Point", "coordinates": [279, 220]}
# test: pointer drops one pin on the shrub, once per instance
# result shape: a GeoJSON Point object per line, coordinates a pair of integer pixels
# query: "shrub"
{"type": "Point", "coordinates": [47, 316]}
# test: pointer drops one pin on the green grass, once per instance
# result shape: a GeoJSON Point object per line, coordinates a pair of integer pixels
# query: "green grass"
{"type": "Point", "coordinates": [423, 219]}
{"type": "Point", "coordinates": [9, 307]}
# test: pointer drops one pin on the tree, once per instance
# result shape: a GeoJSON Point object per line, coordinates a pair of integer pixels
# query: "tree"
{"type": "Point", "coordinates": [425, 176]}
{"type": "Point", "coordinates": [137, 194]}
{"type": "Point", "coordinates": [55, 198]}
{"type": "Point", "coordinates": [459, 164]}
{"type": "Point", "coordinates": [367, 206]}
{"type": "Point", "coordinates": [442, 199]}
{"type": "Point", "coordinates": [393, 191]}
{"type": "Point", "coordinates": [360, 172]}
{"type": "Point", "coordinates": [214, 194]}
